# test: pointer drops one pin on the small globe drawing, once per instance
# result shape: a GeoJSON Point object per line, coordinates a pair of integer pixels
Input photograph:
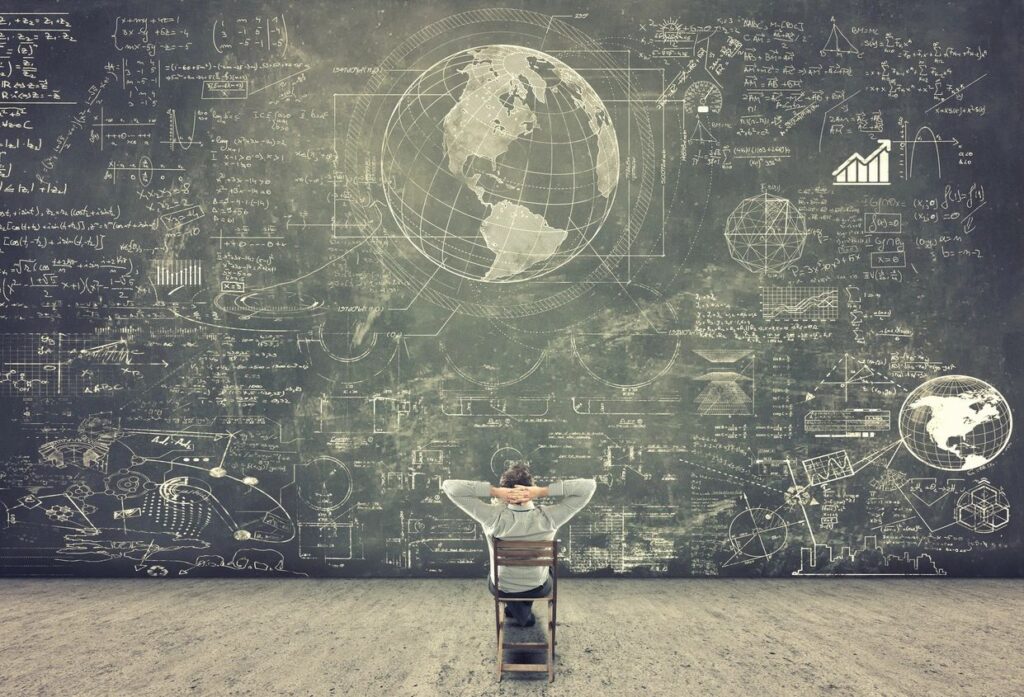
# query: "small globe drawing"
{"type": "Point", "coordinates": [500, 163]}
{"type": "Point", "coordinates": [765, 234]}
{"type": "Point", "coordinates": [955, 422]}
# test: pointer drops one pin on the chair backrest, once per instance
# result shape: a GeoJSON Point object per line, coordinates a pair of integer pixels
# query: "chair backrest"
{"type": "Point", "coordinates": [525, 553]}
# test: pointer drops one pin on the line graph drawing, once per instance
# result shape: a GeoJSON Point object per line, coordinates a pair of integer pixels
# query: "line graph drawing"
{"type": "Point", "coordinates": [805, 302]}
{"type": "Point", "coordinates": [861, 170]}
{"type": "Point", "coordinates": [834, 466]}
{"type": "Point", "coordinates": [65, 364]}
{"type": "Point", "coordinates": [924, 135]}
{"type": "Point", "coordinates": [174, 135]}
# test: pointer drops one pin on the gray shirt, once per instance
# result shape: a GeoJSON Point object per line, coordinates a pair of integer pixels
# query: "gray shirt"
{"type": "Point", "coordinates": [515, 522]}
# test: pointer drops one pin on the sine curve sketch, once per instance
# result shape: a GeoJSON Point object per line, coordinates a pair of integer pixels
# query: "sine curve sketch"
{"type": "Point", "coordinates": [271, 273]}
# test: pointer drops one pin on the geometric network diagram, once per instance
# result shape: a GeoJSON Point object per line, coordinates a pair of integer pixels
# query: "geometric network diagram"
{"type": "Point", "coordinates": [766, 234]}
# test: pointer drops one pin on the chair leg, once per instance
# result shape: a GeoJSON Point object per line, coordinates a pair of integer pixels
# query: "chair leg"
{"type": "Point", "coordinates": [554, 623]}
{"type": "Point", "coordinates": [501, 651]}
{"type": "Point", "coordinates": [551, 644]}
{"type": "Point", "coordinates": [497, 616]}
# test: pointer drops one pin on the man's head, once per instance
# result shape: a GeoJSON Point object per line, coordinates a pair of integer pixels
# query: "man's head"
{"type": "Point", "coordinates": [515, 475]}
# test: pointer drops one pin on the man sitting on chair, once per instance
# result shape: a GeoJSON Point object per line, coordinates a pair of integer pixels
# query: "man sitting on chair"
{"type": "Point", "coordinates": [519, 519]}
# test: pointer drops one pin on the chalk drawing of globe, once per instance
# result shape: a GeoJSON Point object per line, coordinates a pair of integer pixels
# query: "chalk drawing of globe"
{"type": "Point", "coordinates": [500, 163]}
{"type": "Point", "coordinates": [955, 422]}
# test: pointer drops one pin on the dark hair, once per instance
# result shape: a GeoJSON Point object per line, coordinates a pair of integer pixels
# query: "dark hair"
{"type": "Point", "coordinates": [517, 474]}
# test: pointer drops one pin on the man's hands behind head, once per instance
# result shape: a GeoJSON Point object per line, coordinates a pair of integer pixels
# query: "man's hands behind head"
{"type": "Point", "coordinates": [528, 493]}
{"type": "Point", "coordinates": [519, 494]}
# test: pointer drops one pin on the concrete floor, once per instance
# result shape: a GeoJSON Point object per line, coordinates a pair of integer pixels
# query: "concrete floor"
{"type": "Point", "coordinates": [436, 637]}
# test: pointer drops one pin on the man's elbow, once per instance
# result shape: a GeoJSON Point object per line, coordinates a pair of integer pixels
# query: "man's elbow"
{"type": "Point", "coordinates": [582, 490]}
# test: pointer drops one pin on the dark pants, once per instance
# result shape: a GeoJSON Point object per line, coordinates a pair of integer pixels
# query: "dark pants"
{"type": "Point", "coordinates": [521, 611]}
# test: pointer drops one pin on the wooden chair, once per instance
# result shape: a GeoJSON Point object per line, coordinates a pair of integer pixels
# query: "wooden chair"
{"type": "Point", "coordinates": [524, 553]}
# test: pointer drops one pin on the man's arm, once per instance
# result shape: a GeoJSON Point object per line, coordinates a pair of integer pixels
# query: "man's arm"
{"type": "Point", "coordinates": [576, 494]}
{"type": "Point", "coordinates": [467, 495]}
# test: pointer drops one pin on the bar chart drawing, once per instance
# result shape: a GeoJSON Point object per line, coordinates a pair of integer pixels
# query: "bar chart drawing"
{"type": "Point", "coordinates": [179, 272]}
{"type": "Point", "coordinates": [872, 170]}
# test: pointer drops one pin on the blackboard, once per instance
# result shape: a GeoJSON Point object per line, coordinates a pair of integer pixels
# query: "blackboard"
{"type": "Point", "coordinates": [270, 272]}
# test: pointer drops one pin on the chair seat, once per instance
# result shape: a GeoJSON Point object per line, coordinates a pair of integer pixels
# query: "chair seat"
{"type": "Point", "coordinates": [502, 598]}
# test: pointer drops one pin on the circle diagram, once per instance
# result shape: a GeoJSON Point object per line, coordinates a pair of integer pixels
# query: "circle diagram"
{"type": "Point", "coordinates": [500, 163]}
{"type": "Point", "coordinates": [758, 533]}
{"type": "Point", "coordinates": [324, 484]}
{"type": "Point", "coordinates": [702, 97]}
{"type": "Point", "coordinates": [484, 157]}
{"type": "Point", "coordinates": [766, 234]}
{"type": "Point", "coordinates": [504, 457]}
{"type": "Point", "coordinates": [955, 423]}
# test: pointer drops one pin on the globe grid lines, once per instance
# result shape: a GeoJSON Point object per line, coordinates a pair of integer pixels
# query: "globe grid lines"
{"type": "Point", "coordinates": [573, 170]}
{"type": "Point", "coordinates": [532, 142]}
{"type": "Point", "coordinates": [369, 115]}
{"type": "Point", "coordinates": [451, 205]}
{"type": "Point", "coordinates": [519, 201]}
{"type": "Point", "coordinates": [596, 160]}
{"type": "Point", "coordinates": [995, 431]}
{"type": "Point", "coordinates": [437, 168]}
{"type": "Point", "coordinates": [469, 257]}
{"type": "Point", "coordinates": [572, 153]}
{"type": "Point", "coordinates": [387, 146]}
{"type": "Point", "coordinates": [469, 253]}
{"type": "Point", "coordinates": [551, 158]}
{"type": "Point", "coordinates": [447, 93]}
{"type": "Point", "coordinates": [584, 139]}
